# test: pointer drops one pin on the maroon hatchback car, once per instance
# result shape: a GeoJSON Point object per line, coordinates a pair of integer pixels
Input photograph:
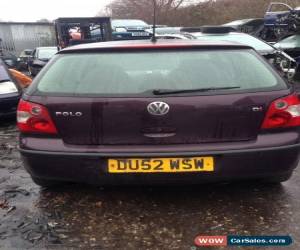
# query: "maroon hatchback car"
{"type": "Point", "coordinates": [165, 112]}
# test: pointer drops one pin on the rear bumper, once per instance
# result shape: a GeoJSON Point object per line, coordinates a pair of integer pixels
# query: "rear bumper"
{"type": "Point", "coordinates": [229, 165]}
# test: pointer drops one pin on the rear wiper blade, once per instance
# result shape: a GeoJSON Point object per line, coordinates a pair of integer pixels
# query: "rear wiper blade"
{"type": "Point", "coordinates": [167, 92]}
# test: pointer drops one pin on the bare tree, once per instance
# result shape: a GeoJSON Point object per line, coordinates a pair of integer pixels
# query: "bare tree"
{"type": "Point", "coordinates": [143, 9]}
{"type": "Point", "coordinates": [192, 12]}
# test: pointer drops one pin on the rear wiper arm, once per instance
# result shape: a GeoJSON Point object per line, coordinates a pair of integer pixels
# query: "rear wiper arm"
{"type": "Point", "coordinates": [167, 92]}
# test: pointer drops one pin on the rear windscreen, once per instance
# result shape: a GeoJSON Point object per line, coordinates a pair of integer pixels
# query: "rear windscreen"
{"type": "Point", "coordinates": [135, 73]}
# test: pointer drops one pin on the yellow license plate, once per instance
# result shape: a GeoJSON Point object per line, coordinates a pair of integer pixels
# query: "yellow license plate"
{"type": "Point", "coordinates": [161, 165]}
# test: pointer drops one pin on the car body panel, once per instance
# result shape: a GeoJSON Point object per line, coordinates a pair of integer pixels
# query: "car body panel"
{"type": "Point", "coordinates": [8, 102]}
{"type": "Point", "coordinates": [119, 121]}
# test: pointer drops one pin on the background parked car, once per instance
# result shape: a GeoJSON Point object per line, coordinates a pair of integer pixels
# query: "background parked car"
{"type": "Point", "coordinates": [130, 29]}
{"type": "Point", "coordinates": [39, 58]}
{"type": "Point", "coordinates": [23, 59]}
{"type": "Point", "coordinates": [10, 92]}
{"type": "Point", "coordinates": [278, 58]}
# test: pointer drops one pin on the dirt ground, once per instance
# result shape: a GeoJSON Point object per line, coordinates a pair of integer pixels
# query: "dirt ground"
{"type": "Point", "coordinates": [85, 217]}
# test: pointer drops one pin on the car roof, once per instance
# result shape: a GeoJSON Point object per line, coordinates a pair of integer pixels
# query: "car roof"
{"type": "Point", "coordinates": [147, 44]}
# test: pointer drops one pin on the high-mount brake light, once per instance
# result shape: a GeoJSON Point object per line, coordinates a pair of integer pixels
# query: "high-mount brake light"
{"type": "Point", "coordinates": [34, 118]}
{"type": "Point", "coordinates": [283, 113]}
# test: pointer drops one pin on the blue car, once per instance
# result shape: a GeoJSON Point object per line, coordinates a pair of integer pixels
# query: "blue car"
{"type": "Point", "coordinates": [10, 93]}
{"type": "Point", "coordinates": [279, 14]}
{"type": "Point", "coordinates": [279, 21]}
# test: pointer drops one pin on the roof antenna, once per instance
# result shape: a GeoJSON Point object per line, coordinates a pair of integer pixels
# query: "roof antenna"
{"type": "Point", "coordinates": [153, 39]}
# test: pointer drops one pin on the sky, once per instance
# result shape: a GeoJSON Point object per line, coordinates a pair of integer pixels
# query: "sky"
{"type": "Point", "coordinates": [32, 10]}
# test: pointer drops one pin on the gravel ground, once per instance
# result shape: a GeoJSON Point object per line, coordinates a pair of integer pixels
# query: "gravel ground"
{"type": "Point", "coordinates": [84, 217]}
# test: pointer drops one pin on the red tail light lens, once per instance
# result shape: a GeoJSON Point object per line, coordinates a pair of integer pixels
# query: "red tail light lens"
{"type": "Point", "coordinates": [283, 113]}
{"type": "Point", "coordinates": [34, 118]}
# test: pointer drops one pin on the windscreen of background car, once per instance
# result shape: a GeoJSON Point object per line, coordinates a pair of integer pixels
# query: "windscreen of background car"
{"type": "Point", "coordinates": [141, 72]}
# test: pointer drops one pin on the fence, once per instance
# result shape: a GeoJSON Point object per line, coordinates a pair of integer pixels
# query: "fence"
{"type": "Point", "coordinates": [19, 36]}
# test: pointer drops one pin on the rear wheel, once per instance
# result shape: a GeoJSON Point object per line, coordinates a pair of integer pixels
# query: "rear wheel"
{"type": "Point", "coordinates": [46, 183]}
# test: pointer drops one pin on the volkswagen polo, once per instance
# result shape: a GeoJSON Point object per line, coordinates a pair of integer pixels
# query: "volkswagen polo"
{"type": "Point", "coordinates": [166, 112]}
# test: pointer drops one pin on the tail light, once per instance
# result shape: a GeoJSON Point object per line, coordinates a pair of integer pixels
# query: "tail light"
{"type": "Point", "coordinates": [34, 118]}
{"type": "Point", "coordinates": [283, 113]}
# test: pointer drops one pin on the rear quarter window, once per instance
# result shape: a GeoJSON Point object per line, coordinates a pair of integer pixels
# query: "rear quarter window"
{"type": "Point", "coordinates": [139, 73]}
